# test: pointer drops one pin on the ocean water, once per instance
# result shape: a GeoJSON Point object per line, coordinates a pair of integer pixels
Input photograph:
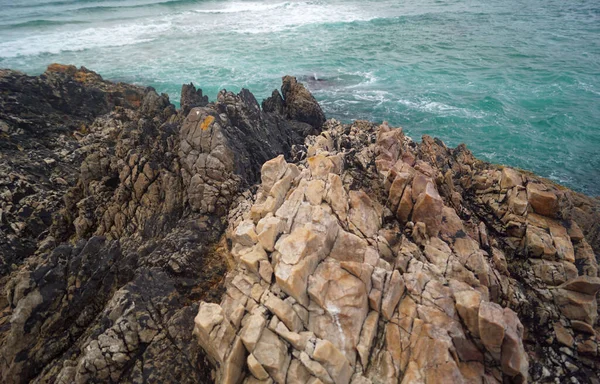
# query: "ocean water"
{"type": "Point", "coordinates": [518, 81]}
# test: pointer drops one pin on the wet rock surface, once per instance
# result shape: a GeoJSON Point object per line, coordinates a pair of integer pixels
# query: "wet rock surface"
{"type": "Point", "coordinates": [225, 242]}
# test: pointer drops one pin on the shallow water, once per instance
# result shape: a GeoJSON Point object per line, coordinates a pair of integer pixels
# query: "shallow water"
{"type": "Point", "coordinates": [518, 81]}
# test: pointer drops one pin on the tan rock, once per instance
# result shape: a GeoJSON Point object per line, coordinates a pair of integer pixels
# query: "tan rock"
{"type": "Point", "coordinates": [343, 298]}
{"type": "Point", "coordinates": [428, 209]}
{"type": "Point", "coordinates": [553, 273]}
{"type": "Point", "coordinates": [253, 258]}
{"type": "Point", "coordinates": [336, 196]}
{"type": "Point", "coordinates": [256, 369]}
{"type": "Point", "coordinates": [583, 327]}
{"type": "Point", "coordinates": [586, 259]}
{"type": "Point", "coordinates": [265, 270]}
{"type": "Point", "coordinates": [268, 229]}
{"type": "Point", "coordinates": [588, 347]}
{"type": "Point", "coordinates": [315, 191]}
{"type": "Point", "coordinates": [334, 361]}
{"type": "Point", "coordinates": [293, 279]}
{"type": "Point", "coordinates": [575, 232]}
{"type": "Point", "coordinates": [419, 185]}
{"type": "Point", "coordinates": [315, 368]}
{"type": "Point", "coordinates": [367, 335]}
{"type": "Point", "coordinates": [583, 284]}
{"type": "Point", "coordinates": [397, 189]}
{"type": "Point", "coordinates": [375, 296]}
{"type": "Point", "coordinates": [298, 244]}
{"type": "Point", "coordinates": [361, 270]}
{"type": "Point", "coordinates": [290, 206]}
{"type": "Point", "coordinates": [466, 349]}
{"type": "Point", "coordinates": [405, 206]}
{"type": "Point", "coordinates": [564, 247]}
{"type": "Point", "coordinates": [514, 360]}
{"type": "Point", "coordinates": [252, 330]}
{"type": "Point", "coordinates": [234, 363]}
{"type": "Point", "coordinates": [392, 293]}
{"type": "Point", "coordinates": [491, 326]}
{"type": "Point", "coordinates": [234, 308]}
{"type": "Point", "coordinates": [363, 217]}
{"type": "Point", "coordinates": [510, 178]}
{"type": "Point", "coordinates": [215, 333]}
{"type": "Point", "coordinates": [539, 243]}
{"type": "Point", "coordinates": [412, 375]}
{"type": "Point", "coordinates": [393, 346]}
{"type": "Point", "coordinates": [562, 335]}
{"type": "Point", "coordinates": [245, 234]}
{"type": "Point", "coordinates": [284, 312]}
{"type": "Point", "coordinates": [297, 340]}
{"type": "Point", "coordinates": [348, 247]}
{"type": "Point", "coordinates": [272, 354]}
{"type": "Point", "coordinates": [543, 202]}
{"type": "Point", "coordinates": [467, 305]}
{"type": "Point", "coordinates": [517, 201]}
{"type": "Point", "coordinates": [499, 260]}
{"type": "Point", "coordinates": [272, 171]}
{"type": "Point", "coordinates": [320, 166]}
{"type": "Point", "coordinates": [297, 373]}
{"type": "Point", "coordinates": [576, 305]}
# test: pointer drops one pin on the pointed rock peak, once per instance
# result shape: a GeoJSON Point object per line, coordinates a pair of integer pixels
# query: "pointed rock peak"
{"type": "Point", "coordinates": [300, 104]}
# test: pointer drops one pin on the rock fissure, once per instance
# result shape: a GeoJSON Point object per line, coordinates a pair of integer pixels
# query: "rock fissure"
{"type": "Point", "coordinates": [361, 257]}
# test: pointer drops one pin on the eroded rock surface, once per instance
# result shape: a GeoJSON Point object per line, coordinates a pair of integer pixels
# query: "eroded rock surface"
{"type": "Point", "coordinates": [380, 260]}
{"type": "Point", "coordinates": [355, 255]}
{"type": "Point", "coordinates": [113, 206]}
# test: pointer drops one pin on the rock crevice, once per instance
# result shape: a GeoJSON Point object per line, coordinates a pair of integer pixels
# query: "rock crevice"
{"type": "Point", "coordinates": [225, 242]}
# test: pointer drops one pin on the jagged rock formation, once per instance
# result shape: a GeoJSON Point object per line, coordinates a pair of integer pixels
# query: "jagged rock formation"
{"type": "Point", "coordinates": [111, 218]}
{"type": "Point", "coordinates": [379, 260]}
{"type": "Point", "coordinates": [354, 253]}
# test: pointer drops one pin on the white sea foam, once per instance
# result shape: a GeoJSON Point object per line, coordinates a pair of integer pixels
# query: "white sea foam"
{"type": "Point", "coordinates": [238, 7]}
{"type": "Point", "coordinates": [89, 38]}
{"type": "Point", "coordinates": [379, 97]}
{"type": "Point", "coordinates": [258, 17]}
{"type": "Point", "coordinates": [231, 17]}
{"type": "Point", "coordinates": [442, 109]}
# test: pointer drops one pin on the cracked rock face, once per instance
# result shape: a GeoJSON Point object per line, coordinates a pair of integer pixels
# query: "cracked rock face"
{"type": "Point", "coordinates": [112, 209]}
{"type": "Point", "coordinates": [225, 242]}
{"type": "Point", "coordinates": [377, 259]}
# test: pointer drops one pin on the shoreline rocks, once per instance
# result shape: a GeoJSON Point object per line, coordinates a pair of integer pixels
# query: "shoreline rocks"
{"type": "Point", "coordinates": [225, 242]}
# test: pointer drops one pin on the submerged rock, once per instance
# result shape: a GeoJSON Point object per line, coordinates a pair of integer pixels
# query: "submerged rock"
{"type": "Point", "coordinates": [227, 243]}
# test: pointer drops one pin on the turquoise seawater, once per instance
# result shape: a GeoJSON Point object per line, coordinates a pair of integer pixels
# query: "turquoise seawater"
{"type": "Point", "coordinates": [518, 81]}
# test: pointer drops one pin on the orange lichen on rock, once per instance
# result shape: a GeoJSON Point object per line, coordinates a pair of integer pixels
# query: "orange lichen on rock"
{"type": "Point", "coordinates": [207, 122]}
{"type": "Point", "coordinates": [55, 67]}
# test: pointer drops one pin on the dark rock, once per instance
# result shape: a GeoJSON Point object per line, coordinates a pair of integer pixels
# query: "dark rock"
{"type": "Point", "coordinates": [191, 98]}
{"type": "Point", "coordinates": [274, 104]}
{"type": "Point", "coordinates": [300, 104]}
{"type": "Point", "coordinates": [113, 207]}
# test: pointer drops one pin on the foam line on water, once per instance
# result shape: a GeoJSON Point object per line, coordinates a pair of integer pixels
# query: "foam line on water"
{"type": "Point", "coordinates": [89, 38]}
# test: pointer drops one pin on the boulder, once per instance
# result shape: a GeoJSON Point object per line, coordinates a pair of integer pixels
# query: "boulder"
{"type": "Point", "coordinates": [428, 208]}
{"type": "Point", "coordinates": [491, 326]}
{"type": "Point", "coordinates": [542, 201]}
{"type": "Point", "coordinates": [300, 104]}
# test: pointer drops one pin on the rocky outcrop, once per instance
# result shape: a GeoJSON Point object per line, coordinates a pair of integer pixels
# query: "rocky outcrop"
{"type": "Point", "coordinates": [377, 259]}
{"type": "Point", "coordinates": [40, 117]}
{"type": "Point", "coordinates": [111, 222]}
{"type": "Point", "coordinates": [297, 103]}
{"type": "Point", "coordinates": [225, 242]}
